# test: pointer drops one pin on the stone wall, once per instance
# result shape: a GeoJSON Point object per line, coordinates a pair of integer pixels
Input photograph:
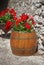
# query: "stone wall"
{"type": "Point", "coordinates": [33, 7]}
{"type": "Point", "coordinates": [36, 8]}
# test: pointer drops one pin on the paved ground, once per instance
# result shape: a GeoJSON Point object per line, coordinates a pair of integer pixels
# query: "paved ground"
{"type": "Point", "coordinates": [23, 6]}
{"type": "Point", "coordinates": [7, 58]}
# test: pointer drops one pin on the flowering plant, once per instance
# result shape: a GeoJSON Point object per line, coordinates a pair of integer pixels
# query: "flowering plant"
{"type": "Point", "coordinates": [23, 23]}
{"type": "Point", "coordinates": [6, 17]}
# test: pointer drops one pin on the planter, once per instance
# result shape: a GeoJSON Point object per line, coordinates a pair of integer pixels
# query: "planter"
{"type": "Point", "coordinates": [23, 43]}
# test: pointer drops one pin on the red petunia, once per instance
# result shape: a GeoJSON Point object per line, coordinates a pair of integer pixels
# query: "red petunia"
{"type": "Point", "coordinates": [27, 25]}
{"type": "Point", "coordinates": [34, 23]}
{"type": "Point", "coordinates": [6, 10]}
{"type": "Point", "coordinates": [18, 21]}
{"type": "Point", "coordinates": [24, 17]}
{"type": "Point", "coordinates": [31, 18]}
{"type": "Point", "coordinates": [13, 12]}
{"type": "Point", "coordinates": [2, 13]}
{"type": "Point", "coordinates": [15, 18]}
{"type": "Point", "coordinates": [8, 25]}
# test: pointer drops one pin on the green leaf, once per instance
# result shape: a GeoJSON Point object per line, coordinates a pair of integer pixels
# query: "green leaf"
{"type": "Point", "coordinates": [15, 28]}
{"type": "Point", "coordinates": [6, 17]}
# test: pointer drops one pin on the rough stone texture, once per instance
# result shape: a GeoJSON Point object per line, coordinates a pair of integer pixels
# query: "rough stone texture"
{"type": "Point", "coordinates": [7, 58]}
{"type": "Point", "coordinates": [36, 8]}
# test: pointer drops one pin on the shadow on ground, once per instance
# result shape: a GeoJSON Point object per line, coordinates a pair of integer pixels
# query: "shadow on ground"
{"type": "Point", "coordinates": [3, 4]}
{"type": "Point", "coordinates": [6, 36]}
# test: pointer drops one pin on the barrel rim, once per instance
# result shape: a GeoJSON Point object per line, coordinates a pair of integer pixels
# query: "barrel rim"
{"type": "Point", "coordinates": [24, 32]}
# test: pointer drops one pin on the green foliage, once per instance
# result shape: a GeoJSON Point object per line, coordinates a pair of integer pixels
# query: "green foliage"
{"type": "Point", "coordinates": [20, 28]}
{"type": "Point", "coordinates": [6, 17]}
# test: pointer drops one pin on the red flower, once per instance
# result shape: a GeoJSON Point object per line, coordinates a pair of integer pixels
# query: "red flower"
{"type": "Point", "coordinates": [6, 10]}
{"type": "Point", "coordinates": [2, 13]}
{"type": "Point", "coordinates": [24, 17]}
{"type": "Point", "coordinates": [34, 23]}
{"type": "Point", "coordinates": [8, 25]}
{"type": "Point", "coordinates": [18, 21]}
{"type": "Point", "coordinates": [27, 25]}
{"type": "Point", "coordinates": [7, 28]}
{"type": "Point", "coordinates": [15, 18]}
{"type": "Point", "coordinates": [13, 12]}
{"type": "Point", "coordinates": [31, 18]}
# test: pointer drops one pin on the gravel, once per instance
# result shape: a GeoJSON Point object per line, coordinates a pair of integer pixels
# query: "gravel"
{"type": "Point", "coordinates": [36, 8]}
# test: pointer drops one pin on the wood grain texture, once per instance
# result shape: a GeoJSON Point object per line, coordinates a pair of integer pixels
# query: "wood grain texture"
{"type": "Point", "coordinates": [23, 43]}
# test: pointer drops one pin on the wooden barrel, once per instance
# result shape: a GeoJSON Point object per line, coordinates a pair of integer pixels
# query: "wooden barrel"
{"type": "Point", "coordinates": [23, 43]}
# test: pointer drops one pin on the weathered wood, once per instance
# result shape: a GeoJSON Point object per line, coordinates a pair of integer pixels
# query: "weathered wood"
{"type": "Point", "coordinates": [23, 43]}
